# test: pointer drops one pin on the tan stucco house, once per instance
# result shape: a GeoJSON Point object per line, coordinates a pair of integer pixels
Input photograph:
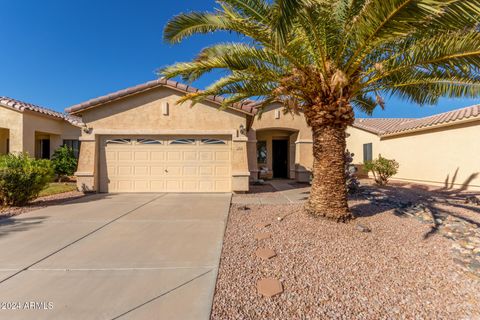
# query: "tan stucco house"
{"type": "Point", "coordinates": [38, 131]}
{"type": "Point", "coordinates": [140, 140]}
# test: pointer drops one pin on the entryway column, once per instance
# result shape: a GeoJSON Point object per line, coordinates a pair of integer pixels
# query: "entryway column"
{"type": "Point", "coordinates": [252, 154]}
{"type": "Point", "coordinates": [304, 159]}
{"type": "Point", "coordinates": [87, 164]}
{"type": "Point", "coordinates": [240, 173]}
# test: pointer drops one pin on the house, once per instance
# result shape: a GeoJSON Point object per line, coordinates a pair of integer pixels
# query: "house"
{"type": "Point", "coordinates": [25, 127]}
{"type": "Point", "coordinates": [140, 140]}
{"type": "Point", "coordinates": [441, 150]}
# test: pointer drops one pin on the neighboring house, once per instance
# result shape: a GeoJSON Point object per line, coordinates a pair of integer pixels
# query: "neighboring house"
{"type": "Point", "coordinates": [140, 140]}
{"type": "Point", "coordinates": [25, 127]}
{"type": "Point", "coordinates": [441, 150]}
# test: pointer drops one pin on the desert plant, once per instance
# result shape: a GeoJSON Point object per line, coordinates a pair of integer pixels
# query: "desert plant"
{"type": "Point", "coordinates": [64, 162]}
{"type": "Point", "coordinates": [22, 178]}
{"type": "Point", "coordinates": [352, 183]}
{"type": "Point", "coordinates": [382, 169]}
{"type": "Point", "coordinates": [323, 58]}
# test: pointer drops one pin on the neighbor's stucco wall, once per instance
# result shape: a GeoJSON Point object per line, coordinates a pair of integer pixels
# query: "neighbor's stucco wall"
{"type": "Point", "coordinates": [143, 114]}
{"type": "Point", "coordinates": [355, 141]}
{"type": "Point", "coordinates": [13, 121]}
{"type": "Point", "coordinates": [447, 156]}
{"type": "Point", "coordinates": [36, 125]}
{"type": "Point", "coordinates": [293, 127]}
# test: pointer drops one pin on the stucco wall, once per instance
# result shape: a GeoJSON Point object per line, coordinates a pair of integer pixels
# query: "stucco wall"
{"type": "Point", "coordinates": [268, 126]}
{"type": "Point", "coordinates": [357, 138]}
{"type": "Point", "coordinates": [13, 121]}
{"type": "Point", "coordinates": [56, 129]}
{"type": "Point", "coordinates": [143, 114]}
{"type": "Point", "coordinates": [447, 156]}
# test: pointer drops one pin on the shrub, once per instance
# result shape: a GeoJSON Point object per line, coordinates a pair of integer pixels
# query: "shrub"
{"type": "Point", "coordinates": [382, 169]}
{"type": "Point", "coordinates": [22, 178]}
{"type": "Point", "coordinates": [352, 183]}
{"type": "Point", "coordinates": [64, 162]}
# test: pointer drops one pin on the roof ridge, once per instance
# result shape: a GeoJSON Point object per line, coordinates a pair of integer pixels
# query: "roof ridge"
{"type": "Point", "coordinates": [246, 106]}
{"type": "Point", "coordinates": [22, 105]}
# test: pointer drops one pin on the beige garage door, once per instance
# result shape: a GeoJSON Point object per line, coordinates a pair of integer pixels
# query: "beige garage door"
{"type": "Point", "coordinates": [165, 164]}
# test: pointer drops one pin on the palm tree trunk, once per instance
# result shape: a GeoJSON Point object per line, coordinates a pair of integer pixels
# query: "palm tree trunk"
{"type": "Point", "coordinates": [328, 196]}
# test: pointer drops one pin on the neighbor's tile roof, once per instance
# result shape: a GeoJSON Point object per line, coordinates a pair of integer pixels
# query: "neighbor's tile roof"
{"type": "Point", "coordinates": [21, 106]}
{"type": "Point", "coordinates": [393, 126]}
{"type": "Point", "coordinates": [247, 107]}
{"type": "Point", "coordinates": [379, 125]}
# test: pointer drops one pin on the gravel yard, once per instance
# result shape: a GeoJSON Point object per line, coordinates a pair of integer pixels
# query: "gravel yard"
{"type": "Point", "coordinates": [39, 203]}
{"type": "Point", "coordinates": [331, 270]}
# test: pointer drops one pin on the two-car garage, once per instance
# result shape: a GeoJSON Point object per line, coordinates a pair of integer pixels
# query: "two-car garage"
{"type": "Point", "coordinates": [165, 164]}
{"type": "Point", "coordinates": [141, 139]}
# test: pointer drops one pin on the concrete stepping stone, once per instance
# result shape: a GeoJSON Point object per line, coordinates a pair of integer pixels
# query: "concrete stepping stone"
{"type": "Point", "coordinates": [269, 287]}
{"type": "Point", "coordinates": [263, 235]}
{"type": "Point", "coordinates": [265, 253]}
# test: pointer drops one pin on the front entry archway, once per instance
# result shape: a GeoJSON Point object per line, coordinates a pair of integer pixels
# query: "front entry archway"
{"type": "Point", "coordinates": [275, 153]}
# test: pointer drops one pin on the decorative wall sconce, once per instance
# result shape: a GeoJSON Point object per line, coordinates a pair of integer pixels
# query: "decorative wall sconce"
{"type": "Point", "coordinates": [242, 130]}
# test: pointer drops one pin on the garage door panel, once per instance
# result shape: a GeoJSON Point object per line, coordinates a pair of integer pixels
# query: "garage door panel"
{"type": "Point", "coordinates": [157, 156]}
{"type": "Point", "coordinates": [157, 171]}
{"type": "Point", "coordinates": [130, 164]}
{"type": "Point", "coordinates": [141, 170]}
{"type": "Point", "coordinates": [190, 155]}
{"type": "Point", "coordinates": [222, 156]}
{"type": "Point", "coordinates": [141, 155]}
{"type": "Point", "coordinates": [174, 155]}
{"type": "Point", "coordinates": [125, 156]}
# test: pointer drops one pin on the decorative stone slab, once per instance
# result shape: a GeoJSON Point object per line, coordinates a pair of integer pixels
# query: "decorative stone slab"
{"type": "Point", "coordinates": [269, 287]}
{"type": "Point", "coordinates": [265, 253]}
{"type": "Point", "coordinates": [263, 235]}
{"type": "Point", "coordinates": [263, 225]}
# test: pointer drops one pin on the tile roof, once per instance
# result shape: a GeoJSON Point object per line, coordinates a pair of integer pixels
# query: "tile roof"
{"type": "Point", "coordinates": [22, 106]}
{"type": "Point", "coordinates": [247, 107]}
{"type": "Point", "coordinates": [394, 126]}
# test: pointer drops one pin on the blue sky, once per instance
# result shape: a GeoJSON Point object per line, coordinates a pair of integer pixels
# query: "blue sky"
{"type": "Point", "coordinates": [57, 53]}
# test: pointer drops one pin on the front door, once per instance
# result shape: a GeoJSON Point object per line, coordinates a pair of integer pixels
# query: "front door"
{"type": "Point", "coordinates": [45, 148]}
{"type": "Point", "coordinates": [280, 158]}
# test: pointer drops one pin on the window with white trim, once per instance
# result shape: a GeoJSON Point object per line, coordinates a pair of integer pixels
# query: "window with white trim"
{"type": "Point", "coordinates": [183, 141]}
{"type": "Point", "coordinates": [212, 141]}
{"type": "Point", "coordinates": [118, 141]}
{"type": "Point", "coordinates": [149, 141]}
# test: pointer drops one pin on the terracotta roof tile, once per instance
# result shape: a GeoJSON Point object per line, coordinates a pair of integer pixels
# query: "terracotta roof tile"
{"type": "Point", "coordinates": [247, 107]}
{"type": "Point", "coordinates": [392, 126]}
{"type": "Point", "coordinates": [21, 106]}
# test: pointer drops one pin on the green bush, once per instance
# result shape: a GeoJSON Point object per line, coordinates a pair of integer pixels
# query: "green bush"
{"type": "Point", "coordinates": [22, 178]}
{"type": "Point", "coordinates": [382, 169]}
{"type": "Point", "coordinates": [64, 162]}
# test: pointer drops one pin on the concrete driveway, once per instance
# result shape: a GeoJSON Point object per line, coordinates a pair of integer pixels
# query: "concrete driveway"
{"type": "Point", "coordinates": [129, 256]}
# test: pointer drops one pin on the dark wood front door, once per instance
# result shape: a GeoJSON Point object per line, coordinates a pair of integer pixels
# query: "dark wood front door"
{"type": "Point", "coordinates": [45, 153]}
{"type": "Point", "coordinates": [280, 158]}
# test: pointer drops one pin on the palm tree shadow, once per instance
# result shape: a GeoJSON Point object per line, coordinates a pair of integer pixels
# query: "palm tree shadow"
{"type": "Point", "coordinates": [15, 224]}
{"type": "Point", "coordinates": [403, 199]}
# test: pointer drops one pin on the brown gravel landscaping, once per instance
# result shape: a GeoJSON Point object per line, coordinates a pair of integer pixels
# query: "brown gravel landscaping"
{"type": "Point", "coordinates": [39, 203]}
{"type": "Point", "coordinates": [398, 270]}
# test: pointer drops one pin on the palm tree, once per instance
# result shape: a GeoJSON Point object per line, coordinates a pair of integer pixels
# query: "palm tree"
{"type": "Point", "coordinates": [326, 58]}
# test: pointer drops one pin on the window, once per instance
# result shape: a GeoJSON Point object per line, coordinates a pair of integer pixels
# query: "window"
{"type": "Point", "coordinates": [262, 152]}
{"type": "Point", "coordinates": [148, 141]}
{"type": "Point", "coordinates": [183, 141]}
{"type": "Point", "coordinates": [74, 144]}
{"type": "Point", "coordinates": [367, 152]}
{"type": "Point", "coordinates": [212, 141]}
{"type": "Point", "coordinates": [119, 141]}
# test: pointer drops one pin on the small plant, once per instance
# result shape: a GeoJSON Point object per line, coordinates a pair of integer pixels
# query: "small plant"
{"type": "Point", "coordinates": [22, 178]}
{"type": "Point", "coordinates": [382, 169]}
{"type": "Point", "coordinates": [351, 173]}
{"type": "Point", "coordinates": [64, 162]}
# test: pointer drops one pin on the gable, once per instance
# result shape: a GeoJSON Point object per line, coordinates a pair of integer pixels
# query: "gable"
{"type": "Point", "coordinates": [145, 111]}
